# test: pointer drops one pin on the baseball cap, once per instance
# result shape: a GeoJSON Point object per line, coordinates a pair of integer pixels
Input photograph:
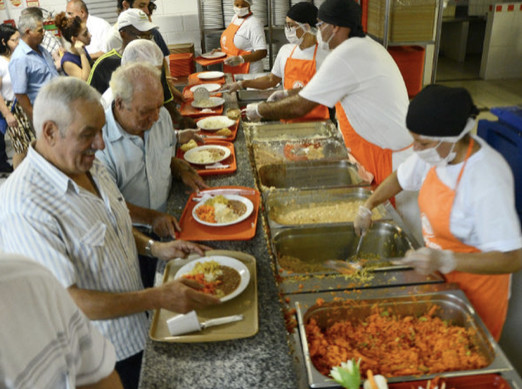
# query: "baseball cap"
{"type": "Point", "coordinates": [136, 18]}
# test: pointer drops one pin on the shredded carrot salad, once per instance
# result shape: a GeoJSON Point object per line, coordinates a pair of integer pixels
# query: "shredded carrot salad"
{"type": "Point", "coordinates": [206, 213]}
{"type": "Point", "coordinates": [209, 287]}
{"type": "Point", "coordinates": [393, 346]}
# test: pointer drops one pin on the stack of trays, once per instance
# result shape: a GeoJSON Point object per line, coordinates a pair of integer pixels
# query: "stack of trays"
{"type": "Point", "coordinates": [228, 11]}
{"type": "Point", "coordinates": [279, 10]}
{"type": "Point", "coordinates": [181, 64]}
{"type": "Point", "coordinates": [259, 9]}
{"type": "Point", "coordinates": [212, 14]}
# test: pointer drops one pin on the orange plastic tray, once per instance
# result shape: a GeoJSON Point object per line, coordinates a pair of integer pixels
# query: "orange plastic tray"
{"type": "Point", "coordinates": [188, 110]}
{"type": "Point", "coordinates": [231, 160]}
{"type": "Point", "coordinates": [193, 80]}
{"type": "Point", "coordinates": [483, 381]}
{"type": "Point", "coordinates": [229, 138]}
{"type": "Point", "coordinates": [192, 230]}
{"type": "Point", "coordinates": [187, 94]}
{"type": "Point", "coordinates": [207, 62]}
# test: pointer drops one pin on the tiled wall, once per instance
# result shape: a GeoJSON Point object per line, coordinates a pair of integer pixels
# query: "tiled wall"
{"type": "Point", "coordinates": [502, 53]}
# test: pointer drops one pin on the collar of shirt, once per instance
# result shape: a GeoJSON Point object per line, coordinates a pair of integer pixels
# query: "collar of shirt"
{"type": "Point", "coordinates": [116, 132]}
{"type": "Point", "coordinates": [26, 49]}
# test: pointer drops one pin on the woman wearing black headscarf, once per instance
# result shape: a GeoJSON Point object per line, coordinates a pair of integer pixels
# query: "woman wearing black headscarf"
{"type": "Point", "coordinates": [466, 199]}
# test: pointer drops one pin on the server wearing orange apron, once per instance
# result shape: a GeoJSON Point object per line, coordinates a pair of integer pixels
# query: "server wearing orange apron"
{"type": "Point", "coordinates": [470, 227]}
{"type": "Point", "coordinates": [238, 60]}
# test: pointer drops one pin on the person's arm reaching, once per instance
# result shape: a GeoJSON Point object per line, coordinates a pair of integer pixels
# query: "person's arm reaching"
{"type": "Point", "coordinates": [289, 108]}
{"type": "Point", "coordinates": [26, 105]}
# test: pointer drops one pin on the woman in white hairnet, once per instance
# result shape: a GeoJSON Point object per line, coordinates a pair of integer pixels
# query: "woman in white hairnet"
{"type": "Point", "coordinates": [243, 41]}
{"type": "Point", "coordinates": [466, 199]}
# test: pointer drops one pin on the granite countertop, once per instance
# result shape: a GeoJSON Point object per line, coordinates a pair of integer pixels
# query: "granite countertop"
{"type": "Point", "coordinates": [261, 361]}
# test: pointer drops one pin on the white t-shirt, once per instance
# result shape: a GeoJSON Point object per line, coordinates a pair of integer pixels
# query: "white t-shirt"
{"type": "Point", "coordinates": [112, 39]}
{"type": "Point", "coordinates": [7, 87]}
{"type": "Point", "coordinates": [284, 53]}
{"type": "Point", "coordinates": [46, 341]}
{"type": "Point", "coordinates": [250, 37]}
{"type": "Point", "coordinates": [100, 30]}
{"type": "Point", "coordinates": [363, 76]}
{"type": "Point", "coordinates": [483, 214]}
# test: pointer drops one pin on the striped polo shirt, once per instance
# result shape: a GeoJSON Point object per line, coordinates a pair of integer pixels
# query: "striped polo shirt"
{"type": "Point", "coordinates": [83, 239]}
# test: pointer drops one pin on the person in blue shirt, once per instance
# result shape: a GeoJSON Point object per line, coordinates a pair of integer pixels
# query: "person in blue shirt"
{"type": "Point", "coordinates": [31, 66]}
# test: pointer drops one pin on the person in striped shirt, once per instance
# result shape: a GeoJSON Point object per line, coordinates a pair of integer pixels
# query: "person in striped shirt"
{"type": "Point", "coordinates": [62, 209]}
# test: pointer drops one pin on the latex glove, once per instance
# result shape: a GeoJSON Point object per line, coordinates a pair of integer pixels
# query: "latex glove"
{"type": "Point", "coordinates": [232, 87]}
{"type": "Point", "coordinates": [234, 61]}
{"type": "Point", "coordinates": [427, 260]}
{"type": "Point", "coordinates": [252, 112]}
{"type": "Point", "coordinates": [277, 95]}
{"type": "Point", "coordinates": [187, 135]}
{"type": "Point", "coordinates": [362, 221]}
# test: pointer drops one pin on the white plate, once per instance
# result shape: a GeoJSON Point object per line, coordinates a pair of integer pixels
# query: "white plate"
{"type": "Point", "coordinates": [209, 87]}
{"type": "Point", "coordinates": [217, 54]}
{"type": "Point", "coordinates": [244, 200]}
{"type": "Point", "coordinates": [210, 75]}
{"type": "Point", "coordinates": [211, 103]}
{"type": "Point", "coordinates": [225, 261]}
{"type": "Point", "coordinates": [215, 123]}
{"type": "Point", "coordinates": [191, 156]}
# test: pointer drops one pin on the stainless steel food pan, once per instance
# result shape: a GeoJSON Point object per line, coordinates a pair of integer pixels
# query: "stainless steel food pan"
{"type": "Point", "coordinates": [255, 94]}
{"type": "Point", "coordinates": [288, 131]}
{"type": "Point", "coordinates": [303, 250]}
{"type": "Point", "coordinates": [310, 174]}
{"type": "Point", "coordinates": [454, 307]}
{"type": "Point", "coordinates": [279, 204]}
{"type": "Point", "coordinates": [292, 151]}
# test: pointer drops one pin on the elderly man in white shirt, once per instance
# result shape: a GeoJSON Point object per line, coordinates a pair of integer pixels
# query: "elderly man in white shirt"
{"type": "Point", "coordinates": [98, 27]}
{"type": "Point", "coordinates": [62, 208]}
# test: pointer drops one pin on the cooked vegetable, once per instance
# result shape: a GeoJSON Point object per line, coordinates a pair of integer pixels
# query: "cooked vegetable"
{"type": "Point", "coordinates": [206, 213]}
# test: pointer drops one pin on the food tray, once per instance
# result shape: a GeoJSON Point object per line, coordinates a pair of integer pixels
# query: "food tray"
{"type": "Point", "coordinates": [483, 381]}
{"type": "Point", "coordinates": [209, 135]}
{"type": "Point", "coordinates": [292, 151]}
{"type": "Point", "coordinates": [274, 131]}
{"type": "Point", "coordinates": [245, 230]}
{"type": "Point", "coordinates": [413, 300]}
{"type": "Point", "coordinates": [188, 110]}
{"type": "Point", "coordinates": [249, 95]}
{"type": "Point", "coordinates": [205, 171]}
{"type": "Point", "coordinates": [310, 174]}
{"type": "Point", "coordinates": [245, 304]}
{"type": "Point", "coordinates": [193, 79]}
{"type": "Point", "coordinates": [316, 244]}
{"type": "Point", "coordinates": [208, 62]}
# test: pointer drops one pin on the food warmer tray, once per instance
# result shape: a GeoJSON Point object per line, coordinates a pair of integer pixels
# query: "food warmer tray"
{"type": "Point", "coordinates": [408, 300]}
{"type": "Point", "coordinates": [315, 244]}
{"type": "Point", "coordinates": [286, 131]}
{"type": "Point", "coordinates": [280, 200]}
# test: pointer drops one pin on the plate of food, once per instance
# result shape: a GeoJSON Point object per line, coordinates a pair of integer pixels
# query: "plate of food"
{"type": "Point", "coordinates": [209, 87]}
{"type": "Point", "coordinates": [222, 210]}
{"type": "Point", "coordinates": [214, 55]}
{"type": "Point", "coordinates": [212, 75]}
{"type": "Point", "coordinates": [214, 123]}
{"type": "Point", "coordinates": [211, 102]}
{"type": "Point", "coordinates": [207, 154]}
{"type": "Point", "coordinates": [221, 276]}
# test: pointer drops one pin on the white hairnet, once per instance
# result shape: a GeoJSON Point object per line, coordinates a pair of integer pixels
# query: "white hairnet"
{"type": "Point", "coordinates": [142, 50]}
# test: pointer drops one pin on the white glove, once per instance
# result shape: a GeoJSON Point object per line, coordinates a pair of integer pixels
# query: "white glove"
{"type": "Point", "coordinates": [427, 261]}
{"type": "Point", "coordinates": [234, 61]}
{"type": "Point", "coordinates": [362, 221]}
{"type": "Point", "coordinates": [232, 87]}
{"type": "Point", "coordinates": [252, 112]}
{"type": "Point", "coordinates": [277, 95]}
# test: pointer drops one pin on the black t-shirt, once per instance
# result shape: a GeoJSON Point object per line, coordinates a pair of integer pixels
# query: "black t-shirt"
{"type": "Point", "coordinates": [103, 68]}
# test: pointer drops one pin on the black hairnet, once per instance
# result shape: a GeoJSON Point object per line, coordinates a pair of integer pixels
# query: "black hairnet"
{"type": "Point", "coordinates": [303, 12]}
{"type": "Point", "coordinates": [440, 111]}
{"type": "Point", "coordinates": [343, 13]}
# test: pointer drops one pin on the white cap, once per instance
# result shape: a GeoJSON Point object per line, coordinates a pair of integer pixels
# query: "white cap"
{"type": "Point", "coordinates": [136, 18]}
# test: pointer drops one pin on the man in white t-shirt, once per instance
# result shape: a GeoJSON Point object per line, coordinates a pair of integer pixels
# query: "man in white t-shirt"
{"type": "Point", "coordinates": [98, 27]}
{"type": "Point", "coordinates": [46, 341]}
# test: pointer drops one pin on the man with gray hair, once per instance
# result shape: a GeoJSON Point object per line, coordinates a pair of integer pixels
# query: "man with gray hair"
{"type": "Point", "coordinates": [62, 209]}
{"type": "Point", "coordinates": [31, 66]}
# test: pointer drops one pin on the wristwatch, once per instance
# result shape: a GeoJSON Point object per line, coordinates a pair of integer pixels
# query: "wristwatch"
{"type": "Point", "coordinates": [148, 248]}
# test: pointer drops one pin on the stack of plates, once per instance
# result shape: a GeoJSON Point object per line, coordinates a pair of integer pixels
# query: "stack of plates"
{"type": "Point", "coordinates": [228, 11]}
{"type": "Point", "coordinates": [212, 14]}
{"type": "Point", "coordinates": [279, 10]}
{"type": "Point", "coordinates": [181, 64]}
{"type": "Point", "coordinates": [212, 41]}
{"type": "Point", "coordinates": [260, 10]}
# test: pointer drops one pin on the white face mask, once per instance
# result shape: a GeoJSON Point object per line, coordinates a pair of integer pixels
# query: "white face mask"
{"type": "Point", "coordinates": [291, 35]}
{"type": "Point", "coordinates": [323, 45]}
{"type": "Point", "coordinates": [240, 12]}
{"type": "Point", "coordinates": [433, 157]}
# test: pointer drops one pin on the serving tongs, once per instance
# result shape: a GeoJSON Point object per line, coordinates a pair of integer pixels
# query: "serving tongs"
{"type": "Point", "coordinates": [202, 94]}
{"type": "Point", "coordinates": [189, 322]}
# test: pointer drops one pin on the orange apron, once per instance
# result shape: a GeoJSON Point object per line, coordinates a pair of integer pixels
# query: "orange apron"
{"type": "Point", "coordinates": [227, 46]}
{"type": "Point", "coordinates": [375, 159]}
{"type": "Point", "coordinates": [488, 293]}
{"type": "Point", "coordinates": [298, 73]}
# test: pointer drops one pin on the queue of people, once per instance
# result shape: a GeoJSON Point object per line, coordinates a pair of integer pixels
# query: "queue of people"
{"type": "Point", "coordinates": [92, 170]}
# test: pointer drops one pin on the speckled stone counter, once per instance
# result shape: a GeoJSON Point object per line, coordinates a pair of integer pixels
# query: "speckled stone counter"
{"type": "Point", "coordinates": [261, 361]}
